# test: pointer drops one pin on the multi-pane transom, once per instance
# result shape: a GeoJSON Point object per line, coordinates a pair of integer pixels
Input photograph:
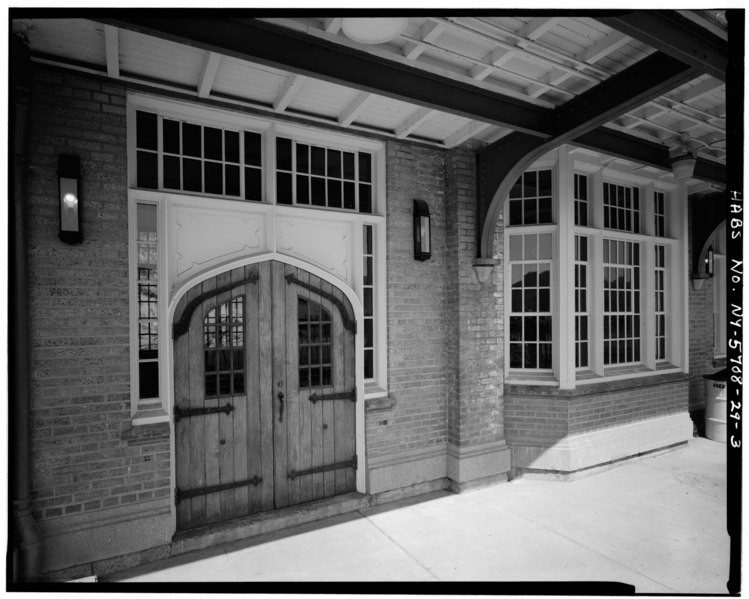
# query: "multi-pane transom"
{"type": "Point", "coordinates": [183, 156]}
{"type": "Point", "coordinates": [621, 208]}
{"type": "Point", "coordinates": [530, 198]}
{"type": "Point", "coordinates": [313, 175]}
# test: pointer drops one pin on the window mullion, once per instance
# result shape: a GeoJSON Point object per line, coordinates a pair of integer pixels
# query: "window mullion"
{"type": "Point", "coordinates": [647, 299]}
{"type": "Point", "coordinates": [563, 290]}
{"type": "Point", "coordinates": [595, 284]}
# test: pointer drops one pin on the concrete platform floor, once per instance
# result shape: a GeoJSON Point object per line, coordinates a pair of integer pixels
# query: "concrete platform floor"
{"type": "Point", "coordinates": [658, 523]}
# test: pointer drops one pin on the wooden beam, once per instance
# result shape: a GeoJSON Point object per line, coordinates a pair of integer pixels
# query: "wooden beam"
{"type": "Point", "coordinates": [534, 29]}
{"type": "Point", "coordinates": [405, 128]}
{"type": "Point", "coordinates": [210, 68]}
{"type": "Point", "coordinates": [112, 45]}
{"type": "Point", "coordinates": [300, 53]}
{"type": "Point", "coordinates": [502, 163]}
{"type": "Point", "coordinates": [672, 34]}
{"type": "Point", "coordinates": [290, 89]}
{"type": "Point", "coordinates": [354, 109]}
{"type": "Point", "coordinates": [465, 133]}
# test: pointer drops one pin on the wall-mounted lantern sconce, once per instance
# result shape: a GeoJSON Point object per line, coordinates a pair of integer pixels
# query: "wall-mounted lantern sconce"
{"type": "Point", "coordinates": [708, 272]}
{"type": "Point", "coordinates": [69, 176]}
{"type": "Point", "coordinates": [422, 231]}
{"type": "Point", "coordinates": [709, 261]}
{"type": "Point", "coordinates": [483, 268]}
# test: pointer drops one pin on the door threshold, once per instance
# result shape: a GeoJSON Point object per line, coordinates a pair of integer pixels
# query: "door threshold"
{"type": "Point", "coordinates": [261, 523]}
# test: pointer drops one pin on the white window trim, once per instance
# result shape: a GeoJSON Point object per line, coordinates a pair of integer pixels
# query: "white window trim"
{"type": "Point", "coordinates": [565, 375]}
{"type": "Point", "coordinates": [151, 411]}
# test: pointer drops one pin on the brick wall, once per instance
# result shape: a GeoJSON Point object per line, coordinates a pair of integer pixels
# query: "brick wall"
{"type": "Point", "coordinates": [701, 335]}
{"type": "Point", "coordinates": [416, 296]}
{"type": "Point", "coordinates": [550, 417]}
{"type": "Point", "coordinates": [82, 460]}
{"type": "Point", "coordinates": [475, 315]}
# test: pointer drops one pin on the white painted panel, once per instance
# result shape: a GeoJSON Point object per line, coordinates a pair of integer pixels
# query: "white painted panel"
{"type": "Point", "coordinates": [74, 39]}
{"type": "Point", "coordinates": [246, 80]}
{"type": "Point", "coordinates": [204, 237]}
{"type": "Point", "coordinates": [160, 59]}
{"type": "Point", "coordinates": [325, 243]}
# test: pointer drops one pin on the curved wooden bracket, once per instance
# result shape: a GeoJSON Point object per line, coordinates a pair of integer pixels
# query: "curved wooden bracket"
{"type": "Point", "coordinates": [181, 326]}
{"type": "Point", "coordinates": [348, 323]}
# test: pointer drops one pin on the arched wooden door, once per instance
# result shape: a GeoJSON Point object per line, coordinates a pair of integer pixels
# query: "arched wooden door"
{"type": "Point", "coordinates": [264, 373]}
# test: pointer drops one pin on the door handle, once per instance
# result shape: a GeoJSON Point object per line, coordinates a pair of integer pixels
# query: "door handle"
{"type": "Point", "coordinates": [280, 409]}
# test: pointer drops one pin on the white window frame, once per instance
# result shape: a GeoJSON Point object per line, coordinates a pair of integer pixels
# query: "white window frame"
{"type": "Point", "coordinates": [145, 412]}
{"type": "Point", "coordinates": [565, 375]}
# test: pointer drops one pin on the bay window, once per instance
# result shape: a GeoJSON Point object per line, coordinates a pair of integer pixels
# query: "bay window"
{"type": "Point", "coordinates": [590, 272]}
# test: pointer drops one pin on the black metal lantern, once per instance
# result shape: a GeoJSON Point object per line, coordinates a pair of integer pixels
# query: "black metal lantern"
{"type": "Point", "coordinates": [422, 231]}
{"type": "Point", "coordinates": [709, 262]}
{"type": "Point", "coordinates": [69, 176]}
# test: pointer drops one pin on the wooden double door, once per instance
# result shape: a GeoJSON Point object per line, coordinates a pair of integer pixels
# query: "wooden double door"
{"type": "Point", "coordinates": [264, 379]}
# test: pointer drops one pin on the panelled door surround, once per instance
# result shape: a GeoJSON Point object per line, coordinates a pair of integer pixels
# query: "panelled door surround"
{"type": "Point", "coordinates": [264, 378]}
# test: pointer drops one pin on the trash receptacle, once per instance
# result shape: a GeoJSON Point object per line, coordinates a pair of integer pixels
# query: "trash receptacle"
{"type": "Point", "coordinates": [715, 405]}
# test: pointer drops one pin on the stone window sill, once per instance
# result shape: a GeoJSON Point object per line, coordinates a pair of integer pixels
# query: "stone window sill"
{"type": "Point", "coordinates": [595, 385]}
{"type": "Point", "coordinates": [146, 433]}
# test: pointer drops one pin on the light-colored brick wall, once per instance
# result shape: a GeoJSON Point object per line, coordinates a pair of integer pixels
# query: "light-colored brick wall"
{"type": "Point", "coordinates": [475, 315]}
{"type": "Point", "coordinates": [416, 296]}
{"type": "Point", "coordinates": [554, 415]}
{"type": "Point", "coordinates": [78, 303]}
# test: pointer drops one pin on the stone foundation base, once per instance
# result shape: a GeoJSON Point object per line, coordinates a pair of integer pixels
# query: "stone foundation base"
{"type": "Point", "coordinates": [572, 456]}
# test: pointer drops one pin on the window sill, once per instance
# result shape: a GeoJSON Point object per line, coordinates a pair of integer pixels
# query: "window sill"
{"type": "Point", "coordinates": [146, 433]}
{"type": "Point", "coordinates": [153, 414]}
{"type": "Point", "coordinates": [612, 381]}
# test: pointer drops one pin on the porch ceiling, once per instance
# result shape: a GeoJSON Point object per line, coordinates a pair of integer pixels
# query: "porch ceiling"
{"type": "Point", "coordinates": [444, 80]}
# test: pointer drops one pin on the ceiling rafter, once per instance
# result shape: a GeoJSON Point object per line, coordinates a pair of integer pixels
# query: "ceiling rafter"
{"type": "Point", "coordinates": [208, 75]}
{"type": "Point", "coordinates": [332, 25]}
{"type": "Point", "coordinates": [112, 48]}
{"type": "Point", "coordinates": [550, 61]}
{"type": "Point", "coordinates": [465, 133]}
{"type": "Point", "coordinates": [354, 109]}
{"type": "Point", "coordinates": [534, 29]}
{"type": "Point", "coordinates": [290, 50]}
{"type": "Point", "coordinates": [698, 91]}
{"type": "Point", "coordinates": [421, 116]}
{"type": "Point", "coordinates": [290, 89]}
{"type": "Point", "coordinates": [673, 34]}
{"type": "Point", "coordinates": [429, 33]}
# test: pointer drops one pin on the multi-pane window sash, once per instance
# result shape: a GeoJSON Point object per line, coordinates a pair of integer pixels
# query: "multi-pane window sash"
{"type": "Point", "coordinates": [582, 317]}
{"type": "Point", "coordinates": [581, 200]}
{"type": "Point", "coordinates": [224, 346]}
{"type": "Point", "coordinates": [530, 304]}
{"type": "Point", "coordinates": [312, 175]}
{"type": "Point", "coordinates": [621, 302]}
{"type": "Point", "coordinates": [659, 209]}
{"type": "Point", "coordinates": [197, 158]}
{"type": "Point", "coordinates": [621, 208]}
{"type": "Point", "coordinates": [315, 344]}
{"type": "Point", "coordinates": [368, 279]}
{"type": "Point", "coordinates": [148, 302]}
{"type": "Point", "coordinates": [660, 302]}
{"type": "Point", "coordinates": [530, 198]}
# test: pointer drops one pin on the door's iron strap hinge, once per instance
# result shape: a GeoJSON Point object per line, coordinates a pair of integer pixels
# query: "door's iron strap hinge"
{"type": "Point", "coordinates": [315, 397]}
{"type": "Point", "coordinates": [352, 463]}
{"type": "Point", "coordinates": [183, 324]}
{"type": "Point", "coordinates": [180, 413]}
{"type": "Point", "coordinates": [348, 323]}
{"type": "Point", "coordinates": [179, 494]}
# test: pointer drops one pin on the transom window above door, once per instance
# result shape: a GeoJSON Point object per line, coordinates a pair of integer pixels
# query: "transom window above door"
{"type": "Point", "coordinates": [238, 158]}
